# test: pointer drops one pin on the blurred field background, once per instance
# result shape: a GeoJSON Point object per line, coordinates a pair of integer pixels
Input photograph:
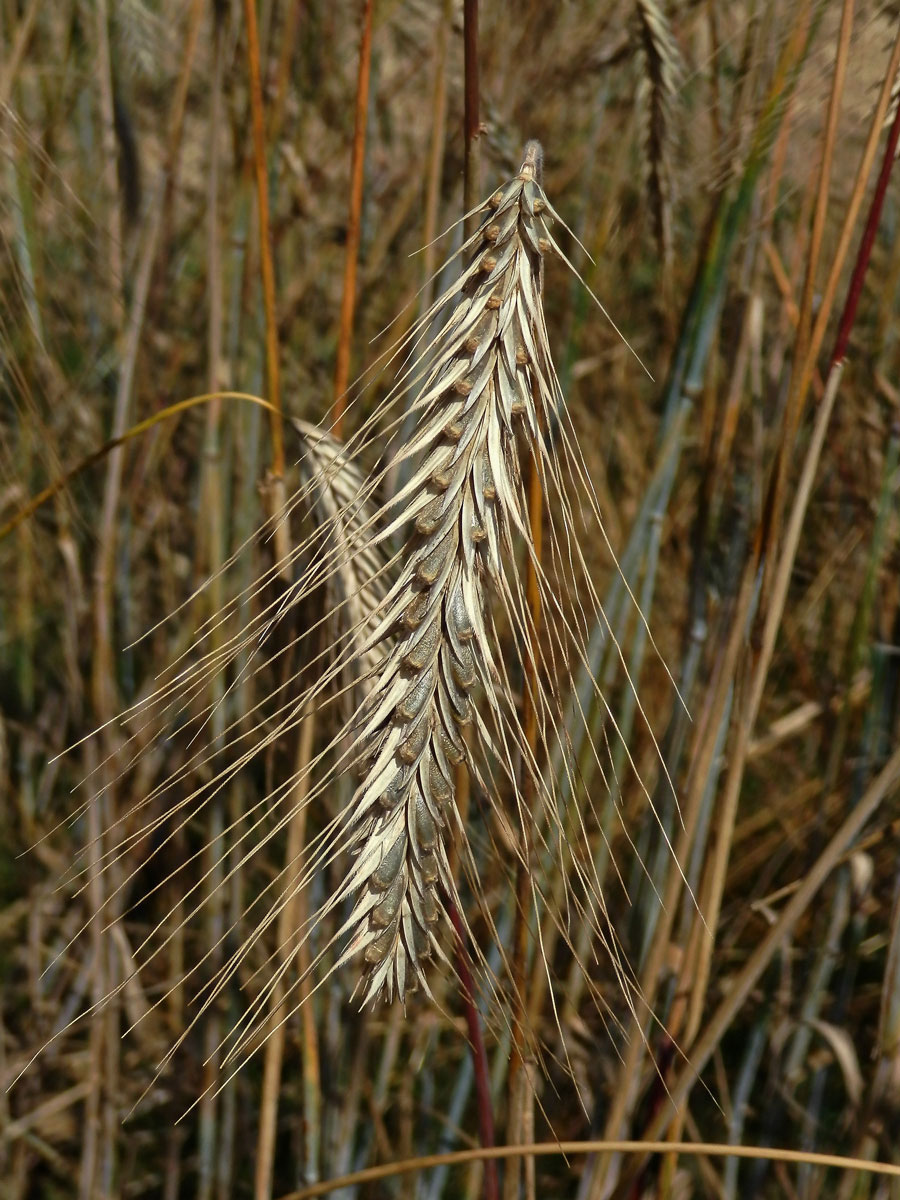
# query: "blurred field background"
{"type": "Point", "coordinates": [684, 145]}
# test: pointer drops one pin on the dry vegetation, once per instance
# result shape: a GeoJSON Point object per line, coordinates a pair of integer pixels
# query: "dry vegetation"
{"type": "Point", "coordinates": [694, 930]}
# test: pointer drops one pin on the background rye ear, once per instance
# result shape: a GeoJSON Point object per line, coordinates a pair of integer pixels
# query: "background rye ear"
{"type": "Point", "coordinates": [347, 556]}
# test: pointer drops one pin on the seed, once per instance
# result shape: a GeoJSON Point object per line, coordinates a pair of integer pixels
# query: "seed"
{"type": "Point", "coordinates": [422, 653]}
{"type": "Point", "coordinates": [426, 831]}
{"type": "Point", "coordinates": [386, 871]}
{"type": "Point", "coordinates": [381, 947]}
{"type": "Point", "coordinates": [429, 519]}
{"type": "Point", "coordinates": [429, 869]}
{"type": "Point", "coordinates": [414, 700]}
{"type": "Point", "coordinates": [386, 911]}
{"type": "Point", "coordinates": [415, 613]}
{"type": "Point", "coordinates": [434, 562]}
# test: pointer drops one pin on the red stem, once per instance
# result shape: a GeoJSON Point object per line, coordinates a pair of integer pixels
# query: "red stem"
{"type": "Point", "coordinates": [865, 247]}
{"type": "Point", "coordinates": [479, 1054]}
{"type": "Point", "coordinates": [471, 122]}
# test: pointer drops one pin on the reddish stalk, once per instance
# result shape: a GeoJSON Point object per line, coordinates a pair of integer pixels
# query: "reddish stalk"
{"type": "Point", "coordinates": [342, 367]}
{"type": "Point", "coordinates": [471, 122]}
{"type": "Point", "coordinates": [864, 254]}
{"type": "Point", "coordinates": [436, 155]}
{"type": "Point", "coordinates": [479, 1053]}
{"type": "Point", "coordinates": [829, 291]}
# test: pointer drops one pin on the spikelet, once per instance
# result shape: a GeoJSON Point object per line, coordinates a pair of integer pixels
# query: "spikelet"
{"type": "Point", "coordinates": [490, 377]}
